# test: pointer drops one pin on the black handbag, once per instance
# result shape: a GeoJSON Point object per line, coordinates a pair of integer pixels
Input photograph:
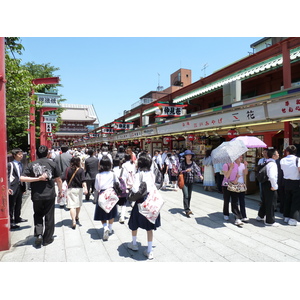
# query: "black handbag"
{"type": "Point", "coordinates": [140, 194]}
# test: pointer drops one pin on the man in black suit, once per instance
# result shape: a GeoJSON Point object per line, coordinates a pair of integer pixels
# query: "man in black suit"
{"type": "Point", "coordinates": [91, 166]}
{"type": "Point", "coordinates": [16, 188]}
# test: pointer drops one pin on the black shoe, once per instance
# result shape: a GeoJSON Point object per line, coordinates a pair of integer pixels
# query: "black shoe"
{"type": "Point", "coordinates": [39, 241]}
{"type": "Point", "coordinates": [14, 226]}
{"type": "Point", "coordinates": [21, 220]}
{"type": "Point", "coordinates": [49, 242]}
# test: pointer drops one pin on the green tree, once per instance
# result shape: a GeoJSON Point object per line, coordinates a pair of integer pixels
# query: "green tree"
{"type": "Point", "coordinates": [18, 93]}
{"type": "Point", "coordinates": [18, 88]}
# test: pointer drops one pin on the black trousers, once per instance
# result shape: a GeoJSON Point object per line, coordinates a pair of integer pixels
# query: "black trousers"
{"type": "Point", "coordinates": [268, 204]}
{"type": "Point", "coordinates": [234, 197]}
{"type": "Point", "coordinates": [187, 195]}
{"type": "Point", "coordinates": [15, 203]}
{"type": "Point", "coordinates": [292, 198]}
{"type": "Point", "coordinates": [219, 180]}
{"type": "Point", "coordinates": [44, 218]}
{"type": "Point", "coordinates": [90, 184]}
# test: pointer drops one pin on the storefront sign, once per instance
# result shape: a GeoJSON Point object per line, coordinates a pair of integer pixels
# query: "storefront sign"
{"type": "Point", "coordinates": [248, 115]}
{"type": "Point", "coordinates": [284, 109]}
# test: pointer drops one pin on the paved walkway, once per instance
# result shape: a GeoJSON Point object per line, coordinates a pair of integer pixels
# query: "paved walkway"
{"type": "Point", "coordinates": [205, 237]}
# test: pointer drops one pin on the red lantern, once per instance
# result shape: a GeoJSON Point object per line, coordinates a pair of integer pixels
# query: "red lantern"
{"type": "Point", "coordinates": [125, 143]}
{"type": "Point", "coordinates": [191, 137]}
{"type": "Point", "coordinates": [148, 141]}
{"type": "Point", "coordinates": [232, 133]}
{"type": "Point", "coordinates": [135, 142]}
{"type": "Point", "coordinates": [167, 140]}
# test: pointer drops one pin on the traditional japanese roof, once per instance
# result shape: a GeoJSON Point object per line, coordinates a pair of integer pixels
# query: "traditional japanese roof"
{"type": "Point", "coordinates": [79, 112]}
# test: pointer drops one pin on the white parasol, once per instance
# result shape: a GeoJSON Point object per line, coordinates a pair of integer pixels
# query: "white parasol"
{"type": "Point", "coordinates": [228, 152]}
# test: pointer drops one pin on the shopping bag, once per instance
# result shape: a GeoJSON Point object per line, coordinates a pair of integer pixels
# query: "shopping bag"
{"type": "Point", "coordinates": [166, 179]}
{"type": "Point", "coordinates": [180, 181]}
{"type": "Point", "coordinates": [63, 196]}
{"type": "Point", "coordinates": [152, 205]}
{"type": "Point", "coordinates": [108, 199]}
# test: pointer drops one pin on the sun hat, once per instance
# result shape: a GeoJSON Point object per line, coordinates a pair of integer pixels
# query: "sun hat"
{"type": "Point", "coordinates": [187, 152]}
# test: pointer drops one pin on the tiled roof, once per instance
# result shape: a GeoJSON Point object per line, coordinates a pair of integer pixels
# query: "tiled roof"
{"type": "Point", "coordinates": [79, 112]}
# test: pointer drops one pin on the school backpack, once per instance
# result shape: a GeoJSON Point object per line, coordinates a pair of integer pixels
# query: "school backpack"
{"type": "Point", "coordinates": [174, 170]}
{"type": "Point", "coordinates": [262, 173]}
{"type": "Point", "coordinates": [159, 178]}
{"type": "Point", "coordinates": [122, 186]}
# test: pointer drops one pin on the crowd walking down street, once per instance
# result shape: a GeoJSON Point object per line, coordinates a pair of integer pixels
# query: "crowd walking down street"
{"type": "Point", "coordinates": [204, 237]}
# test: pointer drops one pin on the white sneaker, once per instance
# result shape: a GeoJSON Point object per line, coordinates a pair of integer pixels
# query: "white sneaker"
{"type": "Point", "coordinates": [149, 254]}
{"type": "Point", "coordinates": [245, 219]}
{"type": "Point", "coordinates": [106, 234]}
{"type": "Point", "coordinates": [286, 220]}
{"type": "Point", "coordinates": [238, 222]}
{"type": "Point", "coordinates": [275, 224]}
{"type": "Point", "coordinates": [258, 218]}
{"type": "Point", "coordinates": [226, 218]}
{"type": "Point", "coordinates": [121, 220]}
{"type": "Point", "coordinates": [133, 247]}
{"type": "Point", "coordinates": [292, 222]}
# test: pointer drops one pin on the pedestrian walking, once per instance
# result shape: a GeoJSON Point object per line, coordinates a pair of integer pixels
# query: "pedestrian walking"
{"type": "Point", "coordinates": [189, 169]}
{"type": "Point", "coordinates": [119, 172]}
{"type": "Point", "coordinates": [242, 173]}
{"type": "Point", "coordinates": [269, 188]}
{"type": "Point", "coordinates": [209, 173]}
{"type": "Point", "coordinates": [105, 180]}
{"type": "Point", "coordinates": [172, 169]}
{"type": "Point", "coordinates": [290, 166]}
{"type": "Point", "coordinates": [16, 188]}
{"type": "Point", "coordinates": [91, 166]}
{"type": "Point", "coordinates": [41, 174]}
{"type": "Point", "coordinates": [136, 219]}
{"type": "Point", "coordinates": [76, 188]}
{"type": "Point", "coordinates": [231, 176]}
{"type": "Point", "coordinates": [219, 175]}
{"type": "Point", "coordinates": [63, 162]}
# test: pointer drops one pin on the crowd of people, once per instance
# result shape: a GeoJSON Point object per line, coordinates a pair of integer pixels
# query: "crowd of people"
{"type": "Point", "coordinates": [69, 176]}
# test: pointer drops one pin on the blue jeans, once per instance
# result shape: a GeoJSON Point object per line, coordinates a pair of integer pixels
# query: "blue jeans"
{"type": "Point", "coordinates": [187, 194]}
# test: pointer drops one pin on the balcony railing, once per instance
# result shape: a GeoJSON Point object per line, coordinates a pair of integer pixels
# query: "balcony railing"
{"type": "Point", "coordinates": [143, 101]}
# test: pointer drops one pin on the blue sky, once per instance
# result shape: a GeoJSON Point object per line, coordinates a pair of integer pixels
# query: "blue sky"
{"type": "Point", "coordinates": [114, 72]}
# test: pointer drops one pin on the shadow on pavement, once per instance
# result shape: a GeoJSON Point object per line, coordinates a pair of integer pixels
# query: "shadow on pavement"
{"type": "Point", "coordinates": [177, 211]}
{"type": "Point", "coordinates": [213, 220]}
{"type": "Point", "coordinates": [136, 255]}
{"type": "Point", "coordinates": [96, 234]}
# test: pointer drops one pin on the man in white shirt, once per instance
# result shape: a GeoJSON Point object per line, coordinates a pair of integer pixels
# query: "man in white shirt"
{"type": "Point", "coordinates": [291, 173]}
{"type": "Point", "coordinates": [269, 188]}
{"type": "Point", "coordinates": [157, 159]}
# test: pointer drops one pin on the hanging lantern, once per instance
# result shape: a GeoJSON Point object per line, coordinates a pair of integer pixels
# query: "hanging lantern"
{"type": "Point", "coordinates": [167, 140]}
{"type": "Point", "coordinates": [135, 142]}
{"type": "Point", "coordinates": [232, 133]}
{"type": "Point", "coordinates": [125, 143]}
{"type": "Point", "coordinates": [148, 141]}
{"type": "Point", "coordinates": [191, 137]}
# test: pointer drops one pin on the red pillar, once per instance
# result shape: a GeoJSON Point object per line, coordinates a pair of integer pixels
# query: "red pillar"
{"type": "Point", "coordinates": [32, 129]}
{"type": "Point", "coordinates": [4, 219]}
{"type": "Point", "coordinates": [287, 83]}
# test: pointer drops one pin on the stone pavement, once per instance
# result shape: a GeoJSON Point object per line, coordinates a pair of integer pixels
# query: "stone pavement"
{"type": "Point", "coordinates": [205, 237]}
